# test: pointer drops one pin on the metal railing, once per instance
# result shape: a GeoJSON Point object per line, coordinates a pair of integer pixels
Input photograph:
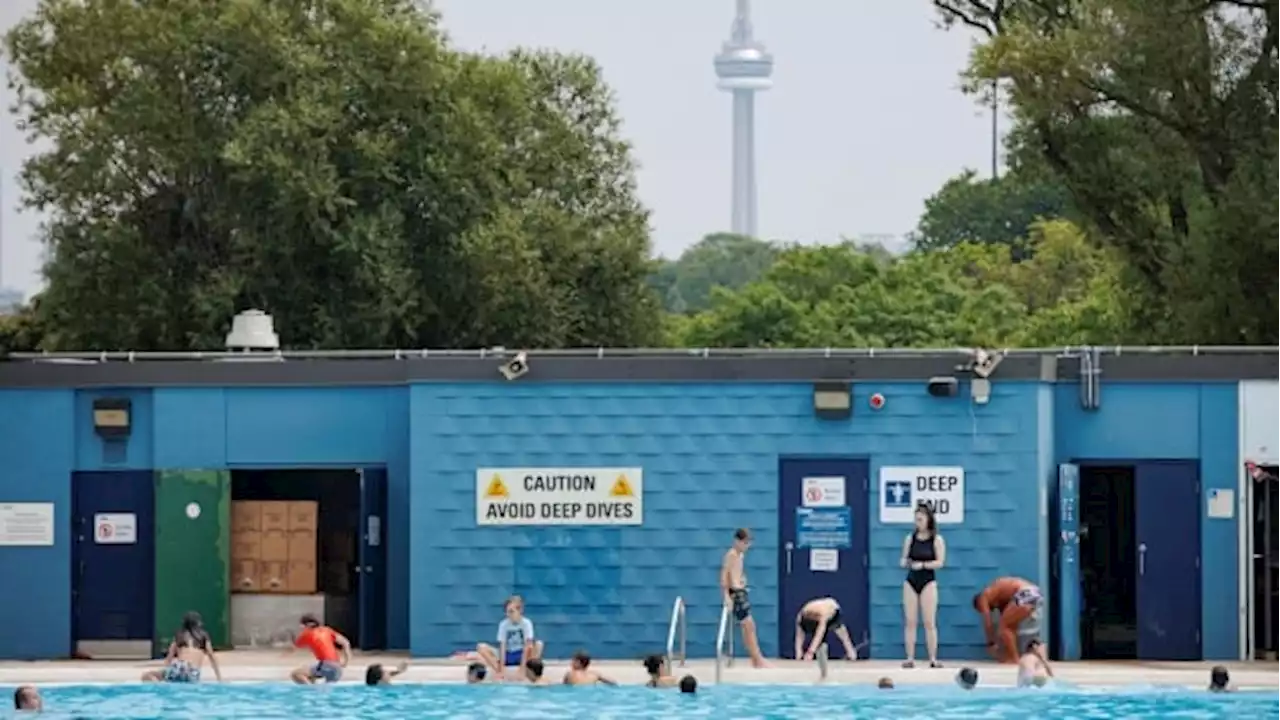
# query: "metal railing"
{"type": "Point", "coordinates": [725, 633]}
{"type": "Point", "coordinates": [680, 623]}
{"type": "Point", "coordinates": [601, 353]}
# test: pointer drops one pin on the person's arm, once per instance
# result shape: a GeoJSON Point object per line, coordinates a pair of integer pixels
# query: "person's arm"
{"type": "Point", "coordinates": [818, 636]}
{"type": "Point", "coordinates": [905, 562]}
{"type": "Point", "coordinates": [172, 652]}
{"type": "Point", "coordinates": [344, 647]}
{"type": "Point", "coordinates": [604, 680]}
{"type": "Point", "coordinates": [213, 660]}
{"type": "Point", "coordinates": [1044, 661]}
{"type": "Point", "coordinates": [939, 554]}
{"type": "Point", "coordinates": [528, 640]}
{"type": "Point", "coordinates": [502, 649]}
{"type": "Point", "coordinates": [799, 638]}
{"type": "Point", "coordinates": [724, 579]}
{"type": "Point", "coordinates": [988, 628]}
{"type": "Point", "coordinates": [400, 669]}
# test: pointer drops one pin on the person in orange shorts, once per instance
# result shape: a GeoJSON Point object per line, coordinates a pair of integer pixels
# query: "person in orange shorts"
{"type": "Point", "coordinates": [1020, 604]}
{"type": "Point", "coordinates": [331, 650]}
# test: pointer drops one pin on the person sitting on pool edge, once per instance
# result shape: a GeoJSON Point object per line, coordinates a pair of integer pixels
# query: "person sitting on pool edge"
{"type": "Point", "coordinates": [688, 685]}
{"type": "Point", "coordinates": [1020, 604]}
{"type": "Point", "coordinates": [27, 697]}
{"type": "Point", "coordinates": [816, 618]}
{"type": "Point", "coordinates": [516, 642]}
{"type": "Point", "coordinates": [1033, 666]}
{"type": "Point", "coordinates": [186, 655]}
{"type": "Point", "coordinates": [1220, 680]}
{"type": "Point", "coordinates": [332, 652]}
{"type": "Point", "coordinates": [579, 674]}
{"type": "Point", "coordinates": [659, 677]}
{"type": "Point", "coordinates": [376, 674]}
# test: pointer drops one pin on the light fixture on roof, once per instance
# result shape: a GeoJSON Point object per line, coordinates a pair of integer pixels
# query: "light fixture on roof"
{"type": "Point", "coordinates": [252, 330]}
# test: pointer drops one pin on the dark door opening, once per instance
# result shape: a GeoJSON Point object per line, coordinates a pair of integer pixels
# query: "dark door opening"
{"type": "Point", "coordinates": [282, 568]}
{"type": "Point", "coordinates": [1108, 569]}
{"type": "Point", "coordinates": [1265, 512]}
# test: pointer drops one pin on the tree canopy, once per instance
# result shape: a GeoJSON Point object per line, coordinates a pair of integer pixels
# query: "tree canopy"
{"type": "Point", "coordinates": [995, 210]}
{"type": "Point", "coordinates": [718, 260]}
{"type": "Point", "coordinates": [335, 163]}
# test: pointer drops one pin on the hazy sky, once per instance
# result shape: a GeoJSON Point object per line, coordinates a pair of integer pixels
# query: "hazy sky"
{"type": "Point", "coordinates": [865, 119]}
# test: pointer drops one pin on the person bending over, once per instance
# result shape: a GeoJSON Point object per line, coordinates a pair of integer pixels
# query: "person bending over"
{"type": "Point", "coordinates": [818, 617]}
{"type": "Point", "coordinates": [1020, 605]}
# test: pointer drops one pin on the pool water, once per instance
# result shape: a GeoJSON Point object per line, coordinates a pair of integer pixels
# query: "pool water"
{"type": "Point", "coordinates": [738, 702]}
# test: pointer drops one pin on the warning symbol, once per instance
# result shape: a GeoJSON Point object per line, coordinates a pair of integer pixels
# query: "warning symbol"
{"type": "Point", "coordinates": [621, 488]}
{"type": "Point", "coordinates": [497, 488]}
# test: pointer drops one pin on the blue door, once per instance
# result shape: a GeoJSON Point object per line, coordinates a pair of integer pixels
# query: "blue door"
{"type": "Point", "coordinates": [1167, 506]}
{"type": "Point", "coordinates": [1066, 571]}
{"type": "Point", "coordinates": [113, 556]}
{"type": "Point", "coordinates": [373, 559]}
{"type": "Point", "coordinates": [822, 544]}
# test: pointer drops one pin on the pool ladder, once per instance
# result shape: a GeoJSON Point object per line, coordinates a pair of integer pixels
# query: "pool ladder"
{"type": "Point", "coordinates": [680, 624]}
{"type": "Point", "coordinates": [724, 636]}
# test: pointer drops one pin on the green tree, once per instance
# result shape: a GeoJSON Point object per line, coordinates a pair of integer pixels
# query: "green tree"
{"type": "Point", "coordinates": [971, 209]}
{"type": "Point", "coordinates": [1068, 292]}
{"type": "Point", "coordinates": [718, 260]}
{"type": "Point", "coordinates": [1160, 118]}
{"type": "Point", "coordinates": [336, 163]}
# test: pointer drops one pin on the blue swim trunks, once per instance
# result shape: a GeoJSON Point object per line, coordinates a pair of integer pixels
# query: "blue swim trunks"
{"type": "Point", "coordinates": [181, 671]}
{"type": "Point", "coordinates": [330, 672]}
{"type": "Point", "coordinates": [513, 658]}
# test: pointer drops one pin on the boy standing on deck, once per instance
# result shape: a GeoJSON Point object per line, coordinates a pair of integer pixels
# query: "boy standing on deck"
{"type": "Point", "coordinates": [516, 642]}
{"type": "Point", "coordinates": [733, 584]}
{"type": "Point", "coordinates": [332, 652]}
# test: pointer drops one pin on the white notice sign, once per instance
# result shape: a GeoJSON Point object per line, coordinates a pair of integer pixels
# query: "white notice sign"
{"type": "Point", "coordinates": [823, 492]}
{"type": "Point", "coordinates": [559, 496]}
{"type": "Point", "coordinates": [26, 524]}
{"type": "Point", "coordinates": [902, 488]}
{"type": "Point", "coordinates": [824, 560]}
{"type": "Point", "coordinates": [115, 528]}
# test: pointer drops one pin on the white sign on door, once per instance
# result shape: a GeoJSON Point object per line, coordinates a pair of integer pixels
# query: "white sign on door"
{"type": "Point", "coordinates": [26, 524]}
{"type": "Point", "coordinates": [903, 488]}
{"type": "Point", "coordinates": [559, 496]}
{"type": "Point", "coordinates": [115, 528]}
{"type": "Point", "coordinates": [822, 492]}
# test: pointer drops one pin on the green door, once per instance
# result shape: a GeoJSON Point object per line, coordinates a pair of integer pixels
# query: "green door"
{"type": "Point", "coordinates": [193, 521]}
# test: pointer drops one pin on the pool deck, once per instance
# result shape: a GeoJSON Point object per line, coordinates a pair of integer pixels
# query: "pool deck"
{"type": "Point", "coordinates": [260, 666]}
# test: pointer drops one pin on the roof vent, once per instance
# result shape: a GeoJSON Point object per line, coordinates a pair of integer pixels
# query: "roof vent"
{"type": "Point", "coordinates": [252, 330]}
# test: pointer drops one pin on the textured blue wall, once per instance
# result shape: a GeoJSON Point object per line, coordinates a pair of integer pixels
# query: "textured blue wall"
{"type": "Point", "coordinates": [1150, 421]}
{"type": "Point", "coordinates": [37, 454]}
{"type": "Point", "coordinates": [45, 435]}
{"type": "Point", "coordinates": [710, 457]}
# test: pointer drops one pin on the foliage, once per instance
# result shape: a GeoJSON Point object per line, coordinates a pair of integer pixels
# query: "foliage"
{"type": "Point", "coordinates": [1068, 292]}
{"type": "Point", "coordinates": [999, 210]}
{"type": "Point", "coordinates": [21, 331]}
{"type": "Point", "coordinates": [1160, 118]}
{"type": "Point", "coordinates": [335, 163]}
{"type": "Point", "coordinates": [718, 260]}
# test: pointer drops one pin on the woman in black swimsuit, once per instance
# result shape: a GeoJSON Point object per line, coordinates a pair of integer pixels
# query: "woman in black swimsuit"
{"type": "Point", "coordinates": [923, 552]}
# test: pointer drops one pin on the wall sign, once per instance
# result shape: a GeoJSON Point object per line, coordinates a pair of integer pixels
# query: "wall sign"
{"type": "Point", "coordinates": [902, 488]}
{"type": "Point", "coordinates": [822, 492]}
{"type": "Point", "coordinates": [824, 528]}
{"type": "Point", "coordinates": [115, 528]}
{"type": "Point", "coordinates": [26, 524]}
{"type": "Point", "coordinates": [559, 496]}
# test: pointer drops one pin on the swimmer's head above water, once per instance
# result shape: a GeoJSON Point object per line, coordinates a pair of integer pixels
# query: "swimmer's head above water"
{"type": "Point", "coordinates": [1219, 679]}
{"type": "Point", "coordinates": [885, 683]}
{"type": "Point", "coordinates": [476, 673]}
{"type": "Point", "coordinates": [967, 678]}
{"type": "Point", "coordinates": [689, 684]}
{"type": "Point", "coordinates": [533, 669]}
{"type": "Point", "coordinates": [27, 697]}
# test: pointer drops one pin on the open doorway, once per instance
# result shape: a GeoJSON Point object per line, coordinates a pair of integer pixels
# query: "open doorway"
{"type": "Point", "coordinates": [1109, 614]}
{"type": "Point", "coordinates": [1265, 515]}
{"type": "Point", "coordinates": [296, 541]}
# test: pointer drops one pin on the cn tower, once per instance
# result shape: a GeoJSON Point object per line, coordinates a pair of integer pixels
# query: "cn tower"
{"type": "Point", "coordinates": [744, 68]}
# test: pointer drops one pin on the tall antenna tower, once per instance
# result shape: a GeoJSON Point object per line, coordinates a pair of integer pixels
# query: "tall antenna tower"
{"type": "Point", "coordinates": [744, 68]}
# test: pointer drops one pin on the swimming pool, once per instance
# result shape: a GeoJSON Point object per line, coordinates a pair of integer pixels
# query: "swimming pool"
{"type": "Point", "coordinates": [514, 702]}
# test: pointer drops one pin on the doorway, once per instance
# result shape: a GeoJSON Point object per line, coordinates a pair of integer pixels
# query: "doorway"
{"type": "Point", "coordinates": [1265, 578]}
{"type": "Point", "coordinates": [1108, 572]}
{"type": "Point", "coordinates": [308, 541]}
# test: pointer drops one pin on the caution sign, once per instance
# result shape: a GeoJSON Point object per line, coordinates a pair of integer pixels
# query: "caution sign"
{"type": "Point", "coordinates": [559, 496]}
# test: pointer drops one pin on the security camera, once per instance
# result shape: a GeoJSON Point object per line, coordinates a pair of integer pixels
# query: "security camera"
{"type": "Point", "coordinates": [985, 362]}
{"type": "Point", "coordinates": [516, 367]}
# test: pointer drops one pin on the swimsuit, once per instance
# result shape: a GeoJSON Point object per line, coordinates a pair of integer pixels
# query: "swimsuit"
{"type": "Point", "coordinates": [921, 551]}
{"type": "Point", "coordinates": [514, 657]}
{"type": "Point", "coordinates": [1029, 597]}
{"type": "Point", "coordinates": [181, 671]}
{"type": "Point", "coordinates": [741, 604]}
{"type": "Point", "coordinates": [330, 672]}
{"type": "Point", "coordinates": [810, 625]}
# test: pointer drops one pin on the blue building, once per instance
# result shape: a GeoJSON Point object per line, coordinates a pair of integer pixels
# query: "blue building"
{"type": "Point", "coordinates": [1115, 480]}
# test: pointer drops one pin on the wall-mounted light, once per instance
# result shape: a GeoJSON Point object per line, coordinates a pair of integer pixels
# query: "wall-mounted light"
{"type": "Point", "coordinates": [832, 400]}
{"type": "Point", "coordinates": [944, 386]}
{"type": "Point", "coordinates": [112, 417]}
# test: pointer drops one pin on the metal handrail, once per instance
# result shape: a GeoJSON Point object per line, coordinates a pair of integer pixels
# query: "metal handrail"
{"type": "Point", "coordinates": [652, 353]}
{"type": "Point", "coordinates": [720, 636]}
{"type": "Point", "coordinates": [679, 621]}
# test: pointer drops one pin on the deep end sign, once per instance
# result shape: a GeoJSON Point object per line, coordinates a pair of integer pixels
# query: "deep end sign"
{"type": "Point", "coordinates": [903, 488]}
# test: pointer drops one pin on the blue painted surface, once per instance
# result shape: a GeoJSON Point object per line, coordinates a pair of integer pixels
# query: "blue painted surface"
{"type": "Point", "coordinates": [1140, 421]}
{"type": "Point", "coordinates": [710, 455]}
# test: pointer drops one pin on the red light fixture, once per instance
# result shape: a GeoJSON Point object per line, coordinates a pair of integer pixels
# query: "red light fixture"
{"type": "Point", "coordinates": [876, 401]}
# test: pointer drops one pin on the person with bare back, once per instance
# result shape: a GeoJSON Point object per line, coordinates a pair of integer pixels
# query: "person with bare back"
{"type": "Point", "coordinates": [733, 585]}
